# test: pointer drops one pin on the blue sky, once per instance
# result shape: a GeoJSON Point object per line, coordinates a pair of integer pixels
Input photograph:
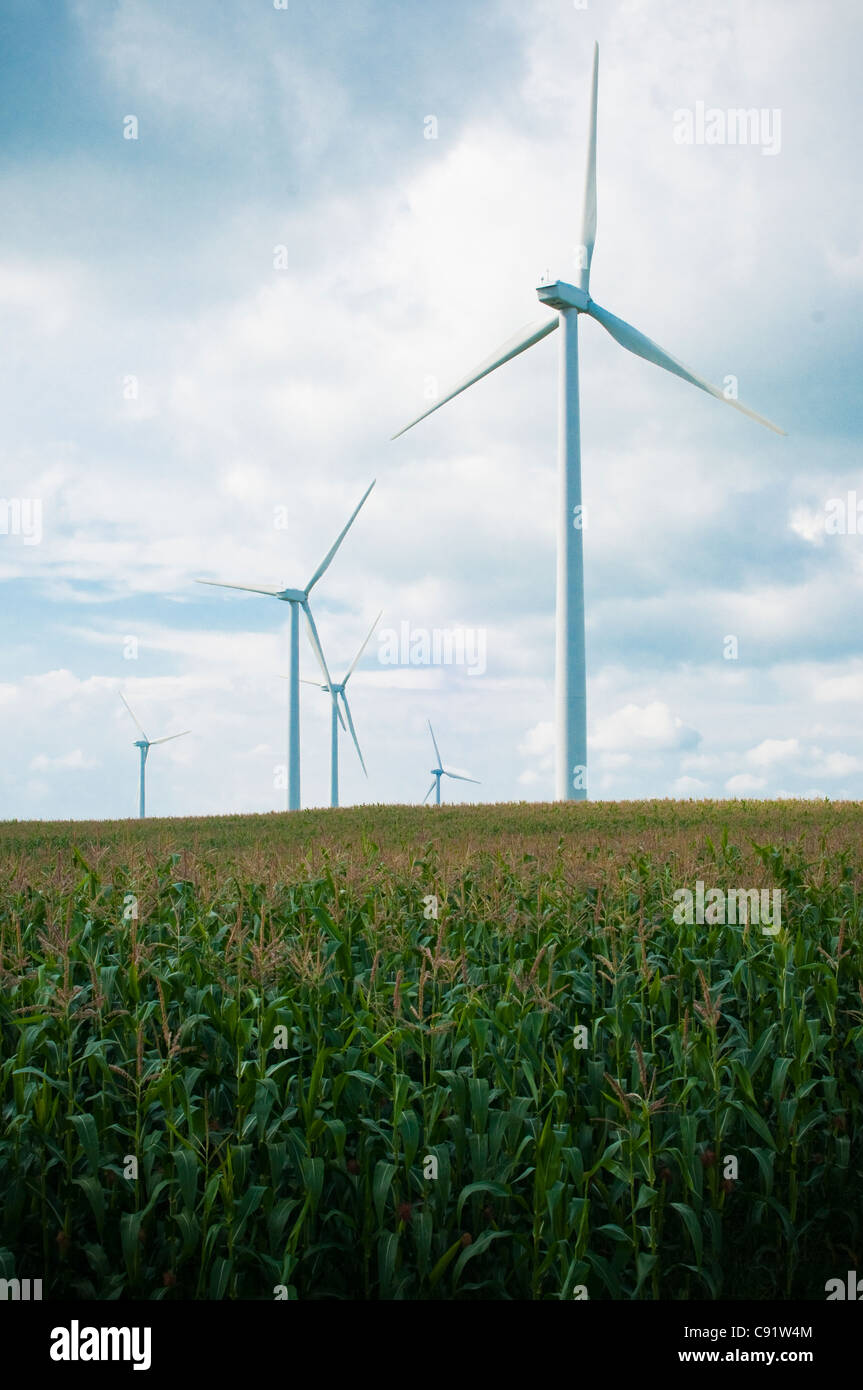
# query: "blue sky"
{"type": "Point", "coordinates": [166, 388]}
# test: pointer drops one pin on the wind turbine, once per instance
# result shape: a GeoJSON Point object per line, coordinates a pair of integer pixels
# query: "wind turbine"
{"type": "Point", "coordinates": [440, 771]}
{"type": "Point", "coordinates": [569, 301]}
{"type": "Point", "coordinates": [299, 599]}
{"type": "Point", "coordinates": [338, 689]}
{"type": "Point", "coordinates": [145, 744]}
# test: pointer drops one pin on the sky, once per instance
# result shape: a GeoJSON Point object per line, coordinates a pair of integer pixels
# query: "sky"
{"type": "Point", "coordinates": [244, 243]}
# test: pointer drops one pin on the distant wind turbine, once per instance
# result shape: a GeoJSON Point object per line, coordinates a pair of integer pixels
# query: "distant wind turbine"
{"type": "Point", "coordinates": [570, 301]}
{"type": "Point", "coordinates": [338, 689]}
{"type": "Point", "coordinates": [440, 771]}
{"type": "Point", "coordinates": [145, 744]}
{"type": "Point", "coordinates": [299, 598]}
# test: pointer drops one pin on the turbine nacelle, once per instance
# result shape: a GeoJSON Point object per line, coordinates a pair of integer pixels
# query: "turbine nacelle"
{"type": "Point", "coordinates": [332, 689]}
{"type": "Point", "coordinates": [561, 295]}
{"type": "Point", "coordinates": [292, 596]}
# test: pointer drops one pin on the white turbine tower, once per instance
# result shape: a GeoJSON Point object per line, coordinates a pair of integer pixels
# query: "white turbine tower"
{"type": "Point", "coordinates": [145, 744]}
{"type": "Point", "coordinates": [338, 689]}
{"type": "Point", "coordinates": [440, 771]}
{"type": "Point", "coordinates": [570, 301]}
{"type": "Point", "coordinates": [299, 599]}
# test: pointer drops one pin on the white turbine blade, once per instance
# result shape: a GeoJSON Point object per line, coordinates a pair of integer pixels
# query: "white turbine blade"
{"type": "Point", "coordinates": [362, 648]}
{"type": "Point", "coordinates": [524, 338]}
{"type": "Point", "coordinates": [429, 792]}
{"type": "Point", "coordinates": [331, 552]}
{"type": "Point", "coordinates": [133, 714]}
{"type": "Point", "coordinates": [642, 346]}
{"type": "Point", "coordinates": [303, 681]}
{"type": "Point", "coordinates": [434, 741]}
{"type": "Point", "coordinates": [169, 737]}
{"type": "Point", "coordinates": [459, 777]}
{"type": "Point", "coordinates": [353, 731]}
{"type": "Point", "coordinates": [588, 221]}
{"type": "Point", "coordinates": [319, 653]}
{"type": "Point", "coordinates": [245, 588]}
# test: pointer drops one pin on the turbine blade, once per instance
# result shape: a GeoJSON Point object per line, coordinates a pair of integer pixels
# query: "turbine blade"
{"type": "Point", "coordinates": [353, 731]}
{"type": "Point", "coordinates": [169, 737]}
{"type": "Point", "coordinates": [246, 588]}
{"type": "Point", "coordinates": [588, 220]}
{"type": "Point", "coordinates": [362, 648]}
{"type": "Point", "coordinates": [524, 338]}
{"type": "Point", "coordinates": [319, 653]}
{"type": "Point", "coordinates": [642, 346]}
{"type": "Point", "coordinates": [459, 777]}
{"type": "Point", "coordinates": [303, 681]}
{"type": "Point", "coordinates": [429, 792]}
{"type": "Point", "coordinates": [331, 552]}
{"type": "Point", "coordinates": [132, 712]}
{"type": "Point", "coordinates": [436, 749]}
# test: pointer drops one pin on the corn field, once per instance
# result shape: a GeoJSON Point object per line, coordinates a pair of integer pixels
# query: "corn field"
{"type": "Point", "coordinates": [468, 1053]}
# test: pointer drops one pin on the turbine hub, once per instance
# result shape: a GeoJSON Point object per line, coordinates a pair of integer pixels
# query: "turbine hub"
{"type": "Point", "coordinates": [560, 295]}
{"type": "Point", "coordinates": [293, 595]}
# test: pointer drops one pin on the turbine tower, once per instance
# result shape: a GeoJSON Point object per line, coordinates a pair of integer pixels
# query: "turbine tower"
{"type": "Point", "coordinates": [299, 599]}
{"type": "Point", "coordinates": [440, 771]}
{"type": "Point", "coordinates": [569, 301]}
{"type": "Point", "coordinates": [338, 690]}
{"type": "Point", "coordinates": [145, 744]}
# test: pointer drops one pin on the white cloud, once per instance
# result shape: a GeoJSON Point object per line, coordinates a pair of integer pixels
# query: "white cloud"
{"type": "Point", "coordinates": [808, 524]}
{"type": "Point", "coordinates": [773, 750]}
{"type": "Point", "coordinates": [701, 762]}
{"type": "Point", "coordinates": [63, 762]}
{"type": "Point", "coordinates": [688, 787]}
{"type": "Point", "coordinates": [612, 762]}
{"type": "Point", "coordinates": [836, 764]}
{"type": "Point", "coordinates": [538, 742]}
{"type": "Point", "coordinates": [832, 689]}
{"type": "Point", "coordinates": [638, 727]}
{"type": "Point", "coordinates": [846, 268]}
{"type": "Point", "coordinates": [745, 784]}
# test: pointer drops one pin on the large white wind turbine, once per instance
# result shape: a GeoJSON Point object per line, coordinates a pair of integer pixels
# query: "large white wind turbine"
{"type": "Point", "coordinates": [440, 771]}
{"type": "Point", "coordinates": [299, 598]}
{"type": "Point", "coordinates": [570, 301]}
{"type": "Point", "coordinates": [338, 689]}
{"type": "Point", "coordinates": [145, 744]}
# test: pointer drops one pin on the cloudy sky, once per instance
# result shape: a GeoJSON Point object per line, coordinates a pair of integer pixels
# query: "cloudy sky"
{"type": "Point", "coordinates": [240, 247]}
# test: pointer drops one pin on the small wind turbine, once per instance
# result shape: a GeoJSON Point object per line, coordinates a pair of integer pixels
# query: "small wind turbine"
{"type": "Point", "coordinates": [570, 301]}
{"type": "Point", "coordinates": [440, 771]}
{"type": "Point", "coordinates": [299, 598]}
{"type": "Point", "coordinates": [338, 689]}
{"type": "Point", "coordinates": [145, 744]}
